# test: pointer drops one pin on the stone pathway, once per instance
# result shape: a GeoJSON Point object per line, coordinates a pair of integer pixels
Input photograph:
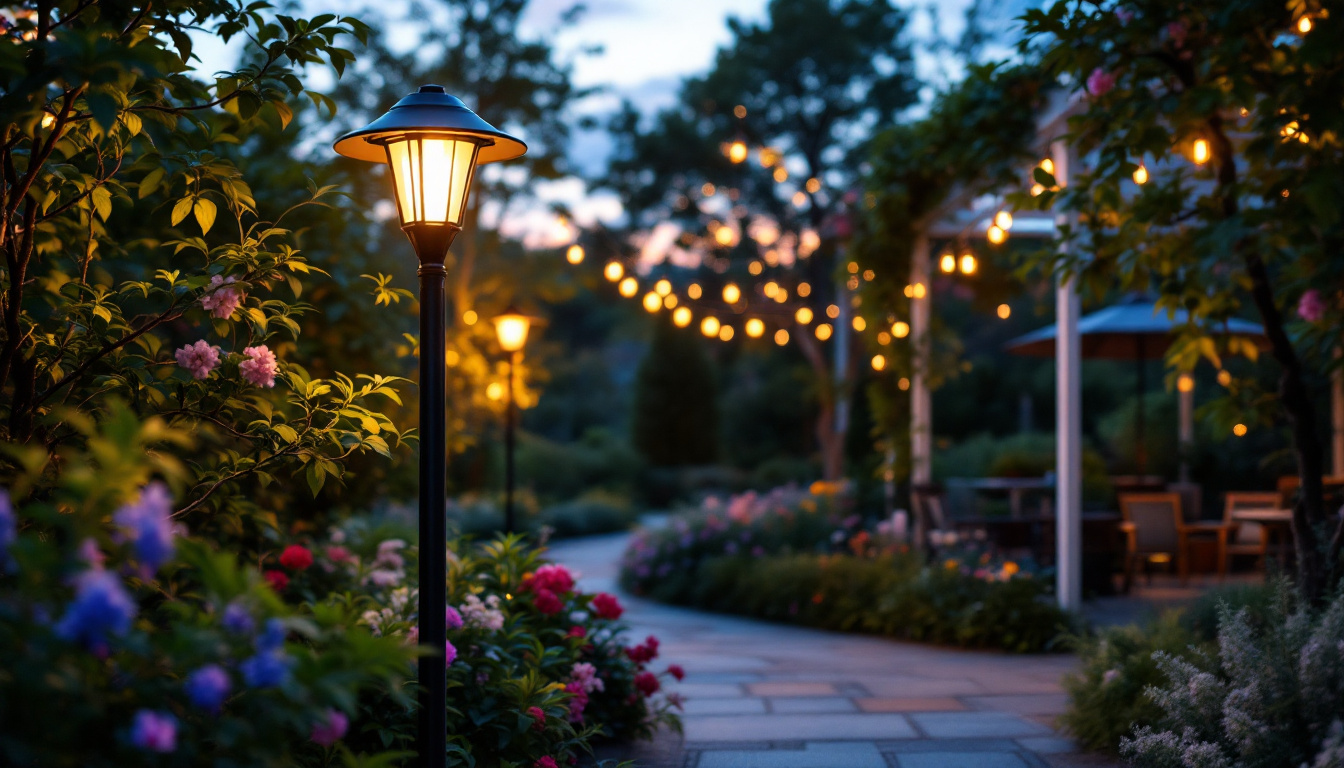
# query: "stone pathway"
{"type": "Point", "coordinates": [763, 695]}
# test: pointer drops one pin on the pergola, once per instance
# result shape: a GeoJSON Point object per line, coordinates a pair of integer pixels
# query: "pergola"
{"type": "Point", "coordinates": [966, 213]}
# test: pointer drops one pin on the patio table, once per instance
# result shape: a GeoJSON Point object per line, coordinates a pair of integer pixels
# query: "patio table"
{"type": "Point", "coordinates": [1278, 521]}
{"type": "Point", "coordinates": [1017, 488]}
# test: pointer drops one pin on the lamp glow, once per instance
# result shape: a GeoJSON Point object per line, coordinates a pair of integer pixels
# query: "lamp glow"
{"type": "Point", "coordinates": [803, 315]}
{"type": "Point", "coordinates": [996, 234]}
{"type": "Point", "coordinates": [662, 287]}
{"type": "Point", "coordinates": [1225, 378]}
{"type": "Point", "coordinates": [1185, 383]}
{"type": "Point", "coordinates": [859, 324]}
{"type": "Point", "coordinates": [823, 331]}
{"type": "Point", "coordinates": [1048, 166]}
{"type": "Point", "coordinates": [726, 333]}
{"type": "Point", "coordinates": [1141, 174]}
{"type": "Point", "coordinates": [670, 300]}
{"type": "Point", "coordinates": [1004, 311]}
{"type": "Point", "coordinates": [731, 293]}
{"type": "Point", "coordinates": [613, 271]}
{"type": "Point", "coordinates": [511, 329]}
{"type": "Point", "coordinates": [574, 254]}
{"type": "Point", "coordinates": [770, 289]}
{"type": "Point", "coordinates": [1239, 430]}
{"type": "Point", "coordinates": [1003, 220]}
{"type": "Point", "coordinates": [629, 287]}
{"type": "Point", "coordinates": [681, 317]}
{"type": "Point", "coordinates": [1304, 25]}
{"type": "Point", "coordinates": [652, 302]}
{"type": "Point", "coordinates": [804, 290]}
{"type": "Point", "coordinates": [900, 329]}
{"type": "Point", "coordinates": [737, 152]}
{"type": "Point", "coordinates": [710, 326]}
{"type": "Point", "coordinates": [879, 362]}
{"type": "Point", "coordinates": [693, 290]}
{"type": "Point", "coordinates": [832, 311]}
{"type": "Point", "coordinates": [948, 263]}
{"type": "Point", "coordinates": [755, 328]}
{"type": "Point", "coordinates": [968, 262]}
{"type": "Point", "coordinates": [781, 337]}
{"type": "Point", "coordinates": [1200, 152]}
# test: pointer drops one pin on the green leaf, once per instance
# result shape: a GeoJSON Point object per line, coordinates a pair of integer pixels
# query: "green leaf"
{"type": "Point", "coordinates": [205, 214]}
{"type": "Point", "coordinates": [151, 182]}
{"type": "Point", "coordinates": [1044, 177]}
{"type": "Point", "coordinates": [102, 201]}
{"type": "Point", "coordinates": [181, 210]}
{"type": "Point", "coordinates": [316, 477]}
{"type": "Point", "coordinates": [286, 433]}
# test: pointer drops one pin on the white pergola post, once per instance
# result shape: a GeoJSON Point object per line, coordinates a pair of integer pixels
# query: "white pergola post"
{"type": "Point", "coordinates": [1068, 424]}
{"type": "Point", "coordinates": [921, 401]}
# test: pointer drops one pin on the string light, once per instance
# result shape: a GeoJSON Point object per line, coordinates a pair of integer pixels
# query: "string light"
{"type": "Point", "coordinates": [824, 331]}
{"type": "Point", "coordinates": [1225, 378]}
{"type": "Point", "coordinates": [869, 275]}
{"type": "Point", "coordinates": [726, 333]}
{"type": "Point", "coordinates": [1141, 174]}
{"type": "Point", "coordinates": [1200, 153]}
{"type": "Point", "coordinates": [770, 289]}
{"type": "Point", "coordinates": [948, 263]}
{"type": "Point", "coordinates": [693, 290]}
{"type": "Point", "coordinates": [968, 262]}
{"type": "Point", "coordinates": [803, 315]}
{"type": "Point", "coordinates": [883, 338]}
{"type": "Point", "coordinates": [781, 337]}
{"type": "Point", "coordinates": [629, 287]}
{"type": "Point", "coordinates": [804, 290]}
{"type": "Point", "coordinates": [1304, 25]}
{"type": "Point", "coordinates": [1239, 430]}
{"type": "Point", "coordinates": [1048, 166]}
{"type": "Point", "coordinates": [799, 199]}
{"type": "Point", "coordinates": [652, 302]}
{"type": "Point", "coordinates": [859, 323]}
{"type": "Point", "coordinates": [1185, 383]}
{"type": "Point", "coordinates": [813, 185]}
{"type": "Point", "coordinates": [574, 254]}
{"type": "Point", "coordinates": [781, 175]}
{"type": "Point", "coordinates": [682, 317]}
{"type": "Point", "coordinates": [710, 326]}
{"type": "Point", "coordinates": [737, 152]}
{"type": "Point", "coordinates": [754, 268]}
{"type": "Point", "coordinates": [755, 328]}
{"type": "Point", "coordinates": [918, 291]}
{"type": "Point", "coordinates": [470, 317]}
{"type": "Point", "coordinates": [495, 391]}
{"type": "Point", "coordinates": [781, 295]}
{"type": "Point", "coordinates": [723, 236]}
{"type": "Point", "coordinates": [670, 300]}
{"type": "Point", "coordinates": [832, 311]}
{"type": "Point", "coordinates": [853, 267]}
{"type": "Point", "coordinates": [1004, 311]}
{"type": "Point", "coordinates": [903, 384]}
{"type": "Point", "coordinates": [900, 329]}
{"type": "Point", "coordinates": [768, 156]}
{"type": "Point", "coordinates": [707, 189]}
{"type": "Point", "coordinates": [662, 287]}
{"type": "Point", "coordinates": [613, 271]}
{"type": "Point", "coordinates": [1037, 189]}
{"type": "Point", "coordinates": [879, 362]}
{"type": "Point", "coordinates": [731, 293]}
{"type": "Point", "coordinates": [995, 234]}
{"type": "Point", "coordinates": [1003, 220]}
{"type": "Point", "coordinates": [740, 111]}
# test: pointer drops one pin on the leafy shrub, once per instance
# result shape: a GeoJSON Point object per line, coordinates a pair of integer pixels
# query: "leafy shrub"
{"type": "Point", "coordinates": [594, 512]}
{"type": "Point", "coordinates": [1272, 696]}
{"type": "Point", "coordinates": [556, 472]}
{"type": "Point", "coordinates": [790, 556]}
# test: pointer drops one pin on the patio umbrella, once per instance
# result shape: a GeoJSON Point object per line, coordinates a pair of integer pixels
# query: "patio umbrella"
{"type": "Point", "coordinates": [1134, 329]}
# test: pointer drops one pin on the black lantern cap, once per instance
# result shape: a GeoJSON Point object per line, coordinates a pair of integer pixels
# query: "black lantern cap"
{"type": "Point", "coordinates": [429, 111]}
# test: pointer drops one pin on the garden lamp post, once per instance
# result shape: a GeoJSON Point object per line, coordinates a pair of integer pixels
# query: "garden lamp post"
{"type": "Point", "coordinates": [512, 328]}
{"type": "Point", "coordinates": [432, 144]}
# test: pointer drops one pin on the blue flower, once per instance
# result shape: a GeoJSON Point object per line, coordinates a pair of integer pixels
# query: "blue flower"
{"type": "Point", "coordinates": [101, 607]}
{"type": "Point", "coordinates": [272, 638]}
{"type": "Point", "coordinates": [266, 669]}
{"type": "Point", "coordinates": [9, 530]}
{"type": "Point", "coordinates": [237, 619]}
{"type": "Point", "coordinates": [207, 687]}
{"type": "Point", "coordinates": [150, 525]}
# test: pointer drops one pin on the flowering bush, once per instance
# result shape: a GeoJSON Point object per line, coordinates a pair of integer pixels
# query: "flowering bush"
{"type": "Point", "coordinates": [791, 556]}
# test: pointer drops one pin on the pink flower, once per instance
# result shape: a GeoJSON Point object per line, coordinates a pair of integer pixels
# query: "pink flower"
{"type": "Point", "coordinates": [223, 298]}
{"type": "Point", "coordinates": [332, 729]}
{"type": "Point", "coordinates": [606, 606]}
{"type": "Point", "coordinates": [339, 554]}
{"type": "Point", "coordinates": [449, 652]}
{"type": "Point", "coordinates": [277, 579]}
{"type": "Point", "coordinates": [677, 672]}
{"type": "Point", "coordinates": [296, 558]}
{"type": "Point", "coordinates": [259, 368]}
{"type": "Point", "coordinates": [1311, 307]}
{"type": "Point", "coordinates": [556, 578]}
{"type": "Point", "coordinates": [578, 701]}
{"type": "Point", "coordinates": [451, 617]}
{"type": "Point", "coordinates": [584, 675]}
{"type": "Point", "coordinates": [199, 359]}
{"type": "Point", "coordinates": [1176, 32]}
{"type": "Point", "coordinates": [538, 716]}
{"type": "Point", "coordinates": [155, 731]}
{"type": "Point", "coordinates": [1100, 82]}
{"type": "Point", "coordinates": [577, 631]}
{"type": "Point", "coordinates": [545, 762]}
{"type": "Point", "coordinates": [676, 700]}
{"type": "Point", "coordinates": [647, 683]}
{"type": "Point", "coordinates": [547, 603]}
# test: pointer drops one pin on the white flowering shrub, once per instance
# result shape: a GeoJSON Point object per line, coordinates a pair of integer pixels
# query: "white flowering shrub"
{"type": "Point", "coordinates": [1274, 696]}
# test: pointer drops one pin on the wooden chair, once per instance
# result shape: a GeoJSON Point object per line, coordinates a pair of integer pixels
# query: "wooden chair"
{"type": "Point", "coordinates": [1155, 531]}
{"type": "Point", "coordinates": [927, 502]}
{"type": "Point", "coordinates": [1247, 538]}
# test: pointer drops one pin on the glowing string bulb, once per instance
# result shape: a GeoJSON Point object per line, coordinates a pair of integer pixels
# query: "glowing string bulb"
{"type": "Point", "coordinates": [1225, 378]}
{"type": "Point", "coordinates": [824, 331]}
{"type": "Point", "coordinates": [879, 362]}
{"type": "Point", "coordinates": [726, 333]}
{"type": "Point", "coordinates": [1239, 430]}
{"type": "Point", "coordinates": [1141, 174]}
{"type": "Point", "coordinates": [652, 302]}
{"type": "Point", "coordinates": [803, 315]}
{"type": "Point", "coordinates": [1304, 25]}
{"type": "Point", "coordinates": [900, 329]}
{"type": "Point", "coordinates": [804, 290]}
{"type": "Point", "coordinates": [995, 234]}
{"type": "Point", "coordinates": [1185, 383]}
{"type": "Point", "coordinates": [755, 328]}
{"type": "Point", "coordinates": [737, 151]}
{"type": "Point", "coordinates": [682, 317]}
{"type": "Point", "coordinates": [723, 236]}
{"type": "Point", "coordinates": [670, 300]}
{"type": "Point", "coordinates": [903, 384]}
{"type": "Point", "coordinates": [613, 271]}
{"type": "Point", "coordinates": [574, 254]}
{"type": "Point", "coordinates": [1003, 220]}
{"type": "Point", "coordinates": [948, 263]}
{"type": "Point", "coordinates": [754, 267]}
{"type": "Point", "coordinates": [770, 289]}
{"type": "Point", "coordinates": [470, 317]}
{"type": "Point", "coordinates": [968, 262]}
{"type": "Point", "coordinates": [781, 337]}
{"type": "Point", "coordinates": [859, 324]}
{"type": "Point", "coordinates": [495, 391]}
{"type": "Point", "coordinates": [629, 287]}
{"type": "Point", "coordinates": [731, 293]}
{"type": "Point", "coordinates": [1005, 311]}
{"type": "Point", "coordinates": [1200, 153]}
{"type": "Point", "coordinates": [662, 287]}
{"type": "Point", "coordinates": [710, 326]}
{"type": "Point", "coordinates": [1048, 166]}
{"type": "Point", "coordinates": [832, 311]}
{"type": "Point", "coordinates": [694, 291]}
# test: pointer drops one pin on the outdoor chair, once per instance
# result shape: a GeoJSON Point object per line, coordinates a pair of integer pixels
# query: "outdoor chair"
{"type": "Point", "coordinates": [1156, 532]}
{"type": "Point", "coordinates": [1244, 537]}
{"type": "Point", "coordinates": [931, 522]}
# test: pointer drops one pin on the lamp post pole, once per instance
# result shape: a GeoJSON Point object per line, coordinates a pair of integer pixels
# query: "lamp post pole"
{"type": "Point", "coordinates": [510, 426]}
{"type": "Point", "coordinates": [431, 144]}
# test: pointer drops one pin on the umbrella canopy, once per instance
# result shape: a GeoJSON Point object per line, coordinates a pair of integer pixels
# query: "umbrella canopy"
{"type": "Point", "coordinates": [1134, 329]}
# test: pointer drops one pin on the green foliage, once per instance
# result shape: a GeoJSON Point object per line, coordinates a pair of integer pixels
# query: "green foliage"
{"type": "Point", "coordinates": [676, 414]}
{"type": "Point", "coordinates": [1028, 454]}
{"type": "Point", "coordinates": [561, 471]}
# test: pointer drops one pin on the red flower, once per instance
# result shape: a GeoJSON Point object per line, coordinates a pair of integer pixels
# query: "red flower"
{"type": "Point", "coordinates": [277, 579]}
{"type": "Point", "coordinates": [339, 554]}
{"type": "Point", "coordinates": [556, 578]}
{"type": "Point", "coordinates": [545, 762]}
{"type": "Point", "coordinates": [577, 631]}
{"type": "Point", "coordinates": [647, 683]}
{"type": "Point", "coordinates": [547, 603]}
{"type": "Point", "coordinates": [538, 718]}
{"type": "Point", "coordinates": [676, 671]}
{"type": "Point", "coordinates": [296, 558]}
{"type": "Point", "coordinates": [606, 606]}
{"type": "Point", "coordinates": [647, 652]}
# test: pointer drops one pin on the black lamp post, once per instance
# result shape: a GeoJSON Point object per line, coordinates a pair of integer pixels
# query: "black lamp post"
{"type": "Point", "coordinates": [511, 328]}
{"type": "Point", "coordinates": [432, 143]}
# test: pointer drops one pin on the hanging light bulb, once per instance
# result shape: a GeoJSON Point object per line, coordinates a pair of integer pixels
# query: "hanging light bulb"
{"type": "Point", "coordinates": [755, 328]}
{"type": "Point", "coordinates": [693, 290]}
{"type": "Point", "coordinates": [731, 293]}
{"type": "Point", "coordinates": [1003, 220]}
{"type": "Point", "coordinates": [1048, 166]}
{"type": "Point", "coordinates": [652, 302]}
{"type": "Point", "coordinates": [1141, 174]}
{"type": "Point", "coordinates": [662, 287]}
{"type": "Point", "coordinates": [879, 362]}
{"type": "Point", "coordinates": [995, 234]}
{"type": "Point", "coordinates": [613, 271]}
{"type": "Point", "coordinates": [1004, 311]}
{"type": "Point", "coordinates": [1304, 25]}
{"type": "Point", "coordinates": [574, 254]}
{"type": "Point", "coordinates": [900, 329]}
{"type": "Point", "coordinates": [629, 287]}
{"type": "Point", "coordinates": [1200, 152]}
{"type": "Point", "coordinates": [859, 324]}
{"type": "Point", "coordinates": [948, 263]}
{"type": "Point", "coordinates": [781, 337]}
{"type": "Point", "coordinates": [670, 300]}
{"type": "Point", "coordinates": [803, 315]}
{"type": "Point", "coordinates": [710, 326]}
{"type": "Point", "coordinates": [737, 152]}
{"type": "Point", "coordinates": [824, 331]}
{"type": "Point", "coordinates": [726, 333]}
{"type": "Point", "coordinates": [682, 317]}
{"type": "Point", "coordinates": [968, 262]}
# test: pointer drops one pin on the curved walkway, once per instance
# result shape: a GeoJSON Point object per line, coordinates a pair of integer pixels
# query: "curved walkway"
{"type": "Point", "coordinates": [762, 695]}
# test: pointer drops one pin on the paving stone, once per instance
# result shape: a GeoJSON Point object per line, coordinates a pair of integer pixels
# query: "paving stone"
{"type": "Point", "coordinates": [804, 704]}
{"type": "Point", "coordinates": [910, 746]}
{"type": "Point", "coordinates": [781, 727]}
{"type": "Point", "coordinates": [708, 690]}
{"type": "Point", "coordinates": [736, 706]}
{"type": "Point", "coordinates": [1022, 704]}
{"type": "Point", "coordinates": [1049, 745]}
{"type": "Point", "coordinates": [962, 760]}
{"type": "Point", "coordinates": [931, 704]}
{"type": "Point", "coordinates": [939, 725]}
{"type": "Point", "coordinates": [813, 755]}
{"type": "Point", "coordinates": [922, 688]}
{"type": "Point", "coordinates": [791, 689]}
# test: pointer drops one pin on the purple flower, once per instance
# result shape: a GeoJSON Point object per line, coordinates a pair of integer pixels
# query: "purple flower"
{"type": "Point", "coordinates": [101, 607]}
{"type": "Point", "coordinates": [207, 687]}
{"type": "Point", "coordinates": [449, 652]}
{"type": "Point", "coordinates": [1176, 32]}
{"type": "Point", "coordinates": [452, 618]}
{"type": "Point", "coordinates": [259, 368]}
{"type": "Point", "coordinates": [267, 669]}
{"type": "Point", "coordinates": [237, 619]}
{"type": "Point", "coordinates": [272, 638]}
{"type": "Point", "coordinates": [223, 298]}
{"type": "Point", "coordinates": [155, 731]}
{"type": "Point", "coordinates": [150, 525]}
{"type": "Point", "coordinates": [1311, 307]}
{"type": "Point", "coordinates": [9, 530]}
{"type": "Point", "coordinates": [331, 729]}
{"type": "Point", "coordinates": [199, 359]}
{"type": "Point", "coordinates": [1100, 82]}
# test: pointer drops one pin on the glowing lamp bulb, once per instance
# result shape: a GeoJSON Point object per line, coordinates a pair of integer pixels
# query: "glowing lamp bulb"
{"type": "Point", "coordinates": [1141, 174]}
{"type": "Point", "coordinates": [900, 329]}
{"type": "Point", "coordinates": [731, 293]}
{"type": "Point", "coordinates": [968, 262]}
{"type": "Point", "coordinates": [755, 328]}
{"type": "Point", "coordinates": [823, 331]}
{"type": "Point", "coordinates": [803, 315]}
{"type": "Point", "coordinates": [681, 317]}
{"type": "Point", "coordinates": [652, 302]}
{"type": "Point", "coordinates": [1185, 383]}
{"type": "Point", "coordinates": [1239, 430]}
{"type": "Point", "coordinates": [1005, 311]}
{"type": "Point", "coordinates": [781, 337]}
{"type": "Point", "coordinates": [629, 287]}
{"type": "Point", "coordinates": [726, 333]}
{"type": "Point", "coordinates": [995, 234]}
{"type": "Point", "coordinates": [710, 326]}
{"type": "Point", "coordinates": [694, 290]}
{"type": "Point", "coordinates": [948, 263]}
{"type": "Point", "coordinates": [662, 287]}
{"type": "Point", "coordinates": [613, 271]}
{"type": "Point", "coordinates": [1200, 152]}
{"type": "Point", "coordinates": [574, 254]}
{"type": "Point", "coordinates": [737, 152]}
{"type": "Point", "coordinates": [879, 362]}
{"type": "Point", "coordinates": [1304, 25]}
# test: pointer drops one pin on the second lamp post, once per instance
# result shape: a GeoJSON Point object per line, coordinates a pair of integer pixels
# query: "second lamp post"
{"type": "Point", "coordinates": [511, 328]}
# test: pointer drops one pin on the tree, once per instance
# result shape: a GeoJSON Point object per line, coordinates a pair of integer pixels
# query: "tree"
{"type": "Point", "coordinates": [1233, 111]}
{"type": "Point", "coordinates": [804, 89]}
{"type": "Point", "coordinates": [676, 414]}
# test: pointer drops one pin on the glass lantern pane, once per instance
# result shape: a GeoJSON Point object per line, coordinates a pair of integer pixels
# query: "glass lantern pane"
{"type": "Point", "coordinates": [437, 155]}
{"type": "Point", "coordinates": [464, 160]}
{"type": "Point", "coordinates": [403, 179]}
